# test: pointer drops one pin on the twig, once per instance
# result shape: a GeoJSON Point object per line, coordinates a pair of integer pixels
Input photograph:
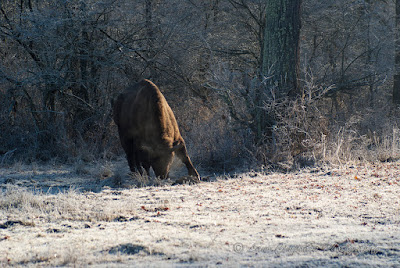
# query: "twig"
{"type": "Point", "coordinates": [79, 98]}
{"type": "Point", "coordinates": [7, 155]}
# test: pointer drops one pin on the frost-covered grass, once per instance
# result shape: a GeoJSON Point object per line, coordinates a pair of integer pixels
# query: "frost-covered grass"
{"type": "Point", "coordinates": [347, 216]}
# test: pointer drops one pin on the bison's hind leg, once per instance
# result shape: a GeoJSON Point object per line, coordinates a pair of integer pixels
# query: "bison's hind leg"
{"type": "Point", "coordinates": [146, 167]}
{"type": "Point", "coordinates": [131, 154]}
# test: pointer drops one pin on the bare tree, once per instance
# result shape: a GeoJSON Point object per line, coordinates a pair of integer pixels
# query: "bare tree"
{"type": "Point", "coordinates": [54, 78]}
{"type": "Point", "coordinates": [280, 58]}
{"type": "Point", "coordinates": [396, 83]}
{"type": "Point", "coordinates": [281, 44]}
{"type": "Point", "coordinates": [62, 61]}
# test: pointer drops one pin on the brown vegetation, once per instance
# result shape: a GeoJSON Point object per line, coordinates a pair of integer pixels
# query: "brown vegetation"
{"type": "Point", "coordinates": [63, 62]}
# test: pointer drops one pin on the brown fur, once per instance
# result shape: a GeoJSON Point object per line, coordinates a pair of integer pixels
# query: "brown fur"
{"type": "Point", "coordinates": [148, 130]}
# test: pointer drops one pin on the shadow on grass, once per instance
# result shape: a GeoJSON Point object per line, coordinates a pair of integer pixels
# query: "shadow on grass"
{"type": "Point", "coordinates": [58, 180]}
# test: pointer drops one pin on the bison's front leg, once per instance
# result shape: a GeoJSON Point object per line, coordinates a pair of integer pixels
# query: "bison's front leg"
{"type": "Point", "coordinates": [184, 157]}
{"type": "Point", "coordinates": [132, 157]}
{"type": "Point", "coordinates": [161, 165]}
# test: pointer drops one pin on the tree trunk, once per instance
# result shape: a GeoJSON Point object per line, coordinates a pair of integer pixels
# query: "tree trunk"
{"type": "Point", "coordinates": [150, 37]}
{"type": "Point", "coordinates": [396, 82]}
{"type": "Point", "coordinates": [280, 57]}
{"type": "Point", "coordinates": [83, 90]}
{"type": "Point", "coordinates": [280, 54]}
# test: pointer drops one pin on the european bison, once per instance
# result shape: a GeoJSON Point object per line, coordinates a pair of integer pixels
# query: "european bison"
{"type": "Point", "coordinates": [148, 130]}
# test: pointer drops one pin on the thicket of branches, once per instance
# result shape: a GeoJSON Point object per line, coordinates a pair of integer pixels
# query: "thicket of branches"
{"type": "Point", "coordinates": [62, 62]}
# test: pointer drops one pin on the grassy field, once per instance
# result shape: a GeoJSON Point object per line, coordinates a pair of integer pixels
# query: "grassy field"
{"type": "Point", "coordinates": [99, 215]}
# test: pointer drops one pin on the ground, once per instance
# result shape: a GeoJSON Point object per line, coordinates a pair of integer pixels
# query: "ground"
{"type": "Point", "coordinates": [97, 215]}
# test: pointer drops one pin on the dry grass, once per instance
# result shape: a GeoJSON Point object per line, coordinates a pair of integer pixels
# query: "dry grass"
{"type": "Point", "coordinates": [328, 216]}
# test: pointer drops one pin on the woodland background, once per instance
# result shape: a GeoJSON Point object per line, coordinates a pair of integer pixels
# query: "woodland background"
{"type": "Point", "coordinates": [62, 62]}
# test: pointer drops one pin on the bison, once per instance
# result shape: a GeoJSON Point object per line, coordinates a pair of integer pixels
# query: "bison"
{"type": "Point", "coordinates": [148, 130]}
